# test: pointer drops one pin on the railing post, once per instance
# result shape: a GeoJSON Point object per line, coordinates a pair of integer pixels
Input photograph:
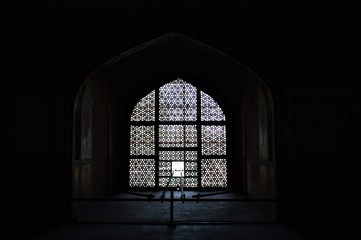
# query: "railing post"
{"type": "Point", "coordinates": [171, 221]}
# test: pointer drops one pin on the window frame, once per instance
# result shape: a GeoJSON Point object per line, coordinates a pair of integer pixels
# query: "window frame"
{"type": "Point", "coordinates": [198, 122]}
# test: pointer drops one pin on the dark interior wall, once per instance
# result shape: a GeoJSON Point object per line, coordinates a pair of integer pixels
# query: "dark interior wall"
{"type": "Point", "coordinates": [163, 61]}
{"type": "Point", "coordinates": [317, 91]}
{"type": "Point", "coordinates": [114, 88]}
{"type": "Point", "coordinates": [259, 162]}
{"type": "Point", "coordinates": [146, 68]}
{"type": "Point", "coordinates": [90, 141]}
{"type": "Point", "coordinates": [311, 68]}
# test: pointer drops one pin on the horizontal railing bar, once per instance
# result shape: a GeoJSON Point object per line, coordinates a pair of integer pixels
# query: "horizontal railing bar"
{"type": "Point", "coordinates": [179, 222]}
{"type": "Point", "coordinates": [176, 200]}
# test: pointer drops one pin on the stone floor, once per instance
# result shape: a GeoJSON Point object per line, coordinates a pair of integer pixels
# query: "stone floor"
{"type": "Point", "coordinates": [191, 220]}
{"type": "Point", "coordinates": [185, 212]}
{"type": "Point", "coordinates": [162, 232]}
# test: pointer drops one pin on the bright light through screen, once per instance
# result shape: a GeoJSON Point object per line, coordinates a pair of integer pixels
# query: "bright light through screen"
{"type": "Point", "coordinates": [177, 169]}
{"type": "Point", "coordinates": [177, 130]}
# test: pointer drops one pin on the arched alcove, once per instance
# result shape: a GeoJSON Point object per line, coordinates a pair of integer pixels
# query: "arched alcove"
{"type": "Point", "coordinates": [178, 138]}
{"type": "Point", "coordinates": [107, 98]}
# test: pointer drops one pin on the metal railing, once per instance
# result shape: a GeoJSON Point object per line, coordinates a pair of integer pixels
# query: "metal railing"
{"type": "Point", "coordinates": [195, 198]}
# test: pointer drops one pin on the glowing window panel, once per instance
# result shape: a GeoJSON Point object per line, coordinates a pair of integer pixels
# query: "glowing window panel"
{"type": "Point", "coordinates": [178, 169]}
{"type": "Point", "coordinates": [178, 147]}
{"type": "Point", "coordinates": [142, 173]}
{"type": "Point", "coordinates": [177, 102]}
{"type": "Point", "coordinates": [190, 138]}
{"type": "Point", "coordinates": [175, 182]}
{"type": "Point", "coordinates": [171, 155]}
{"type": "Point", "coordinates": [165, 169]}
{"type": "Point", "coordinates": [191, 182]}
{"type": "Point", "coordinates": [214, 172]}
{"type": "Point", "coordinates": [145, 109]}
{"type": "Point", "coordinates": [177, 136]}
{"type": "Point", "coordinates": [213, 140]}
{"type": "Point", "coordinates": [180, 164]}
{"type": "Point", "coordinates": [177, 156]}
{"type": "Point", "coordinates": [142, 140]}
{"type": "Point", "coordinates": [210, 110]}
{"type": "Point", "coordinates": [191, 166]}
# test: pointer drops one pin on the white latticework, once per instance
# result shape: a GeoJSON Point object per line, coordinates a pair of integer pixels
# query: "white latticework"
{"type": "Point", "coordinates": [177, 135]}
{"type": "Point", "coordinates": [145, 109]}
{"type": "Point", "coordinates": [179, 152]}
{"type": "Point", "coordinates": [210, 110]}
{"type": "Point", "coordinates": [213, 140]}
{"type": "Point", "coordinates": [171, 136]}
{"type": "Point", "coordinates": [214, 172]}
{"type": "Point", "coordinates": [142, 140]}
{"type": "Point", "coordinates": [142, 173]}
{"type": "Point", "coordinates": [190, 167]}
{"type": "Point", "coordinates": [177, 102]}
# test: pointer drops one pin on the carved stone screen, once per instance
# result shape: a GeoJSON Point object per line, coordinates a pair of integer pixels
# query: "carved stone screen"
{"type": "Point", "coordinates": [177, 135]}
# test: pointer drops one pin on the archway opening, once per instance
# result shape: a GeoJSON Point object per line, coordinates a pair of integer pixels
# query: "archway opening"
{"type": "Point", "coordinates": [178, 137]}
{"type": "Point", "coordinates": [125, 139]}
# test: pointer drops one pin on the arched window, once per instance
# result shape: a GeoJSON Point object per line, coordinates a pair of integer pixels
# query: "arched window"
{"type": "Point", "coordinates": [178, 132]}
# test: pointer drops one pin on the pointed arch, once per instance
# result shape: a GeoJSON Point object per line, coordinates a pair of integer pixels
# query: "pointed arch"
{"type": "Point", "coordinates": [181, 139]}
{"type": "Point", "coordinates": [123, 86]}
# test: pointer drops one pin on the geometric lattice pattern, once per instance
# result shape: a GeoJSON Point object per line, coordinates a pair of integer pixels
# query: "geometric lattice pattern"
{"type": "Point", "coordinates": [171, 155]}
{"type": "Point", "coordinates": [214, 172]}
{"type": "Point", "coordinates": [190, 138]}
{"type": "Point", "coordinates": [142, 140]}
{"type": "Point", "coordinates": [171, 136]}
{"type": "Point", "coordinates": [175, 182]}
{"type": "Point", "coordinates": [213, 140]}
{"type": "Point", "coordinates": [188, 160]}
{"type": "Point", "coordinates": [190, 182]}
{"type": "Point", "coordinates": [142, 173]}
{"type": "Point", "coordinates": [210, 110]}
{"type": "Point", "coordinates": [178, 137]}
{"type": "Point", "coordinates": [191, 167]}
{"type": "Point", "coordinates": [165, 168]}
{"type": "Point", "coordinates": [177, 102]}
{"type": "Point", "coordinates": [145, 109]}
